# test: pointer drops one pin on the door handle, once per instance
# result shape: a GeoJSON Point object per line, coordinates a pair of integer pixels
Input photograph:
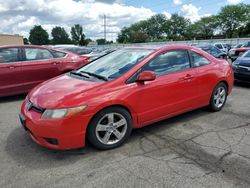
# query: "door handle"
{"type": "Point", "coordinates": [11, 67]}
{"type": "Point", "coordinates": [188, 77]}
{"type": "Point", "coordinates": [55, 63]}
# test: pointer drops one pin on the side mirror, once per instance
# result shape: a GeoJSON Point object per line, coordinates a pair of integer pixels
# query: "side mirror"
{"type": "Point", "coordinates": [146, 76]}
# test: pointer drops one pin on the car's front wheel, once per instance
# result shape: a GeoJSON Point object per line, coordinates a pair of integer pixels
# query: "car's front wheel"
{"type": "Point", "coordinates": [109, 128]}
{"type": "Point", "coordinates": [219, 97]}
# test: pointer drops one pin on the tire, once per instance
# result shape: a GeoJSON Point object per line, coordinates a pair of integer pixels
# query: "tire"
{"type": "Point", "coordinates": [105, 132]}
{"type": "Point", "coordinates": [218, 97]}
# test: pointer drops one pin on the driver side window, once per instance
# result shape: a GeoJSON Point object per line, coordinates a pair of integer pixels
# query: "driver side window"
{"type": "Point", "coordinates": [169, 62]}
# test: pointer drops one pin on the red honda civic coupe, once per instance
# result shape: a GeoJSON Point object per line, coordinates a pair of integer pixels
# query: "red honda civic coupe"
{"type": "Point", "coordinates": [23, 67]}
{"type": "Point", "coordinates": [130, 88]}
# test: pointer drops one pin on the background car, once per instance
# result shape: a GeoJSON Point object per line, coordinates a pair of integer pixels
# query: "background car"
{"type": "Point", "coordinates": [223, 47]}
{"type": "Point", "coordinates": [129, 88]}
{"type": "Point", "coordinates": [97, 53]}
{"type": "Point", "coordinates": [75, 49]}
{"type": "Point", "coordinates": [240, 51]}
{"type": "Point", "coordinates": [23, 67]}
{"type": "Point", "coordinates": [242, 67]}
{"type": "Point", "coordinates": [214, 51]}
{"type": "Point", "coordinates": [232, 50]}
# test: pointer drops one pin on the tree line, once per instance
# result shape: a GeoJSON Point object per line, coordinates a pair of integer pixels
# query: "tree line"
{"type": "Point", "coordinates": [39, 36]}
{"type": "Point", "coordinates": [231, 21]}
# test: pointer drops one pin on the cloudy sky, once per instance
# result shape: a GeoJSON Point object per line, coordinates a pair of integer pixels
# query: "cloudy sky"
{"type": "Point", "coordinates": [19, 16]}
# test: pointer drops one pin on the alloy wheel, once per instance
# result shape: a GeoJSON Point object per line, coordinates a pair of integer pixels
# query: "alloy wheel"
{"type": "Point", "coordinates": [219, 97]}
{"type": "Point", "coordinates": [111, 128]}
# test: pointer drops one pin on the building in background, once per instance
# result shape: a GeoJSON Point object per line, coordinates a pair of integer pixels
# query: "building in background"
{"type": "Point", "coordinates": [11, 40]}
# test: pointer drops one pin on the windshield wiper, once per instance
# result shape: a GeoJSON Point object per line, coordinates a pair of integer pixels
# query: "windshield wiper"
{"type": "Point", "coordinates": [78, 74]}
{"type": "Point", "coordinates": [96, 75]}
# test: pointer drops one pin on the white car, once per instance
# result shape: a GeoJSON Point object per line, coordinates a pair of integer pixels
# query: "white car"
{"type": "Point", "coordinates": [223, 47]}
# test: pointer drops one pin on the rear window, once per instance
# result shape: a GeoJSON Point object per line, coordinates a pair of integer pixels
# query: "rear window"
{"type": "Point", "coordinates": [198, 60]}
{"type": "Point", "coordinates": [247, 54]}
{"type": "Point", "coordinates": [247, 44]}
{"type": "Point", "coordinates": [8, 55]}
{"type": "Point", "coordinates": [57, 54]}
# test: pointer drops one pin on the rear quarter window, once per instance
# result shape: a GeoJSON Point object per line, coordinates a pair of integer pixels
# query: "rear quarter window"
{"type": "Point", "coordinates": [198, 60]}
{"type": "Point", "coordinates": [57, 54]}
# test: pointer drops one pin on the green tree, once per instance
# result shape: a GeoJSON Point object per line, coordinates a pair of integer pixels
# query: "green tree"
{"type": "Point", "coordinates": [25, 41]}
{"type": "Point", "coordinates": [60, 36]}
{"type": "Point", "coordinates": [231, 18]}
{"type": "Point", "coordinates": [101, 41]}
{"type": "Point", "coordinates": [156, 27]}
{"type": "Point", "coordinates": [138, 37]}
{"type": "Point", "coordinates": [38, 36]}
{"type": "Point", "coordinates": [204, 28]}
{"type": "Point", "coordinates": [178, 27]}
{"type": "Point", "coordinates": [88, 40]}
{"type": "Point", "coordinates": [124, 35]}
{"type": "Point", "coordinates": [152, 29]}
{"type": "Point", "coordinates": [77, 35]}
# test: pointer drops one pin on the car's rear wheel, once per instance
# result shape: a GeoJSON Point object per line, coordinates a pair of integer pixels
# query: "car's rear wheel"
{"type": "Point", "coordinates": [110, 128]}
{"type": "Point", "coordinates": [219, 97]}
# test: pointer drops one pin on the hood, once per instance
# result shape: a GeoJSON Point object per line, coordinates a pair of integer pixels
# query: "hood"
{"type": "Point", "coordinates": [244, 61]}
{"type": "Point", "coordinates": [61, 92]}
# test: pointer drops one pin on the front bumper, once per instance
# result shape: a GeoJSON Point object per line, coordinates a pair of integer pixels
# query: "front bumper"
{"type": "Point", "coordinates": [61, 134]}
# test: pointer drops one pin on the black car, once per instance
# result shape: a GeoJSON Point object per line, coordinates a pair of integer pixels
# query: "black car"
{"type": "Point", "coordinates": [214, 51]}
{"type": "Point", "coordinates": [241, 67]}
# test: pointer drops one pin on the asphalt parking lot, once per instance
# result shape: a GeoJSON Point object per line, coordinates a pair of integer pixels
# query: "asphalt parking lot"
{"type": "Point", "coordinates": [197, 149]}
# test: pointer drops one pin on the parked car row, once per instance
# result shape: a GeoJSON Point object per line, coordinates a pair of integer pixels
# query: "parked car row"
{"type": "Point", "coordinates": [213, 50]}
{"type": "Point", "coordinates": [222, 50]}
{"type": "Point", "coordinates": [239, 50]}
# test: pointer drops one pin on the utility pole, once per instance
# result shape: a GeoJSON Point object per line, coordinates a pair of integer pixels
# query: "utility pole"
{"type": "Point", "coordinates": [104, 25]}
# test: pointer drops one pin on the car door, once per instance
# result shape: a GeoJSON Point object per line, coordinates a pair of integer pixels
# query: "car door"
{"type": "Point", "coordinates": [10, 71]}
{"type": "Point", "coordinates": [205, 70]}
{"type": "Point", "coordinates": [173, 90]}
{"type": "Point", "coordinates": [39, 65]}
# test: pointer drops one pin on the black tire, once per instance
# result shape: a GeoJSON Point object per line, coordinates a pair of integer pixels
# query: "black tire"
{"type": "Point", "coordinates": [212, 106]}
{"type": "Point", "coordinates": [91, 130]}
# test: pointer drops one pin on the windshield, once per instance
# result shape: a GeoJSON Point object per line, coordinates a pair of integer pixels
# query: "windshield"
{"type": "Point", "coordinates": [239, 45]}
{"type": "Point", "coordinates": [247, 54]}
{"type": "Point", "coordinates": [247, 44]}
{"type": "Point", "coordinates": [117, 63]}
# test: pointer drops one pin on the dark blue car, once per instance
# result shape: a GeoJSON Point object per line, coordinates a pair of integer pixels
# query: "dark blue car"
{"type": "Point", "coordinates": [241, 67]}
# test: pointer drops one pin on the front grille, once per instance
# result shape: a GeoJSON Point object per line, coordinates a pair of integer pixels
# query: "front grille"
{"type": "Point", "coordinates": [244, 68]}
{"type": "Point", "coordinates": [31, 106]}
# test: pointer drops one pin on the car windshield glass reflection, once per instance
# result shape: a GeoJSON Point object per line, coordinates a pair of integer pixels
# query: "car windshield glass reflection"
{"type": "Point", "coordinates": [247, 54]}
{"type": "Point", "coordinates": [117, 63]}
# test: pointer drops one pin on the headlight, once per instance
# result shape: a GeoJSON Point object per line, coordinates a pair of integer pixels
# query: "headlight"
{"type": "Point", "coordinates": [235, 64]}
{"type": "Point", "coordinates": [61, 113]}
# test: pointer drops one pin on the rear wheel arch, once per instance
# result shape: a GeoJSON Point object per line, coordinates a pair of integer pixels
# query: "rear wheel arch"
{"type": "Point", "coordinates": [226, 83]}
{"type": "Point", "coordinates": [218, 98]}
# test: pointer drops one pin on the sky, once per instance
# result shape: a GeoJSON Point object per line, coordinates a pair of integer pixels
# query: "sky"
{"type": "Point", "coordinates": [19, 16]}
